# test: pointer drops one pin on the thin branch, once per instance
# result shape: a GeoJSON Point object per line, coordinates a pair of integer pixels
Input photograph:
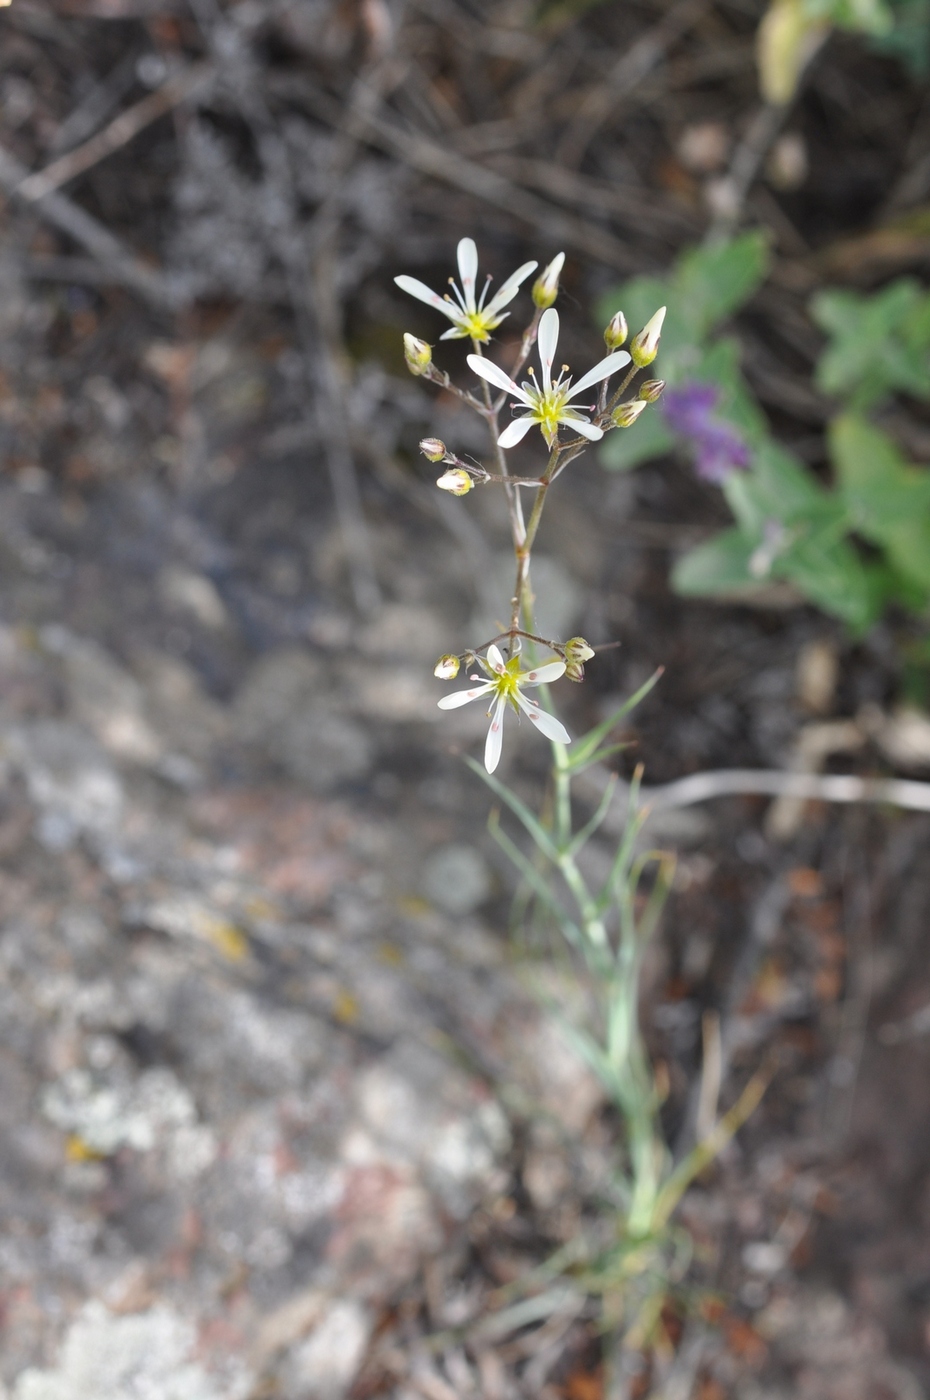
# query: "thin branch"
{"type": "Point", "coordinates": [118, 134]}
{"type": "Point", "coordinates": [624, 77]}
{"type": "Point", "coordinates": [122, 265]}
{"type": "Point", "coordinates": [426, 155]}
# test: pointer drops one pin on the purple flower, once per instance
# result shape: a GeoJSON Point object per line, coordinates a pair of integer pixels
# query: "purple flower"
{"type": "Point", "coordinates": [718, 448]}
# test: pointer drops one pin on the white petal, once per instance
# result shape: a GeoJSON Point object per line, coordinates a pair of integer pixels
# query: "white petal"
{"type": "Point", "coordinates": [423, 293]}
{"type": "Point", "coordinates": [515, 432]}
{"type": "Point", "coordinates": [468, 269]}
{"type": "Point", "coordinates": [601, 370]}
{"type": "Point", "coordinates": [508, 290]}
{"type": "Point", "coordinates": [547, 724]}
{"type": "Point", "coordinates": [543, 674]}
{"type": "Point", "coordinates": [456, 333]}
{"type": "Point", "coordinates": [582, 426]}
{"type": "Point", "coordinates": [496, 376]}
{"type": "Point", "coordinates": [462, 697]}
{"type": "Point", "coordinates": [548, 340]}
{"type": "Point", "coordinates": [495, 660]}
{"type": "Point", "coordinates": [492, 749]}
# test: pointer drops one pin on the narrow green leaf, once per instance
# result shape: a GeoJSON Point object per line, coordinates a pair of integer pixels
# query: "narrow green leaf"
{"type": "Point", "coordinates": [714, 280]}
{"type": "Point", "coordinates": [520, 810]}
{"type": "Point", "coordinates": [581, 837]}
{"type": "Point", "coordinates": [536, 881]}
{"type": "Point", "coordinates": [582, 749]}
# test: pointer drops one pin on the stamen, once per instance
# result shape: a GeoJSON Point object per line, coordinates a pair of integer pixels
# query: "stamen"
{"type": "Point", "coordinates": [487, 282]}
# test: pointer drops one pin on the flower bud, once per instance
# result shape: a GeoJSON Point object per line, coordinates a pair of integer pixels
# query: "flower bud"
{"type": "Point", "coordinates": [645, 346]}
{"type": "Point", "coordinates": [616, 333]}
{"type": "Point", "coordinates": [546, 286]}
{"type": "Point", "coordinates": [417, 353]}
{"type": "Point", "coordinates": [574, 671]}
{"type": "Point", "coordinates": [433, 449]}
{"type": "Point", "coordinates": [446, 668]}
{"type": "Point", "coordinates": [457, 481]}
{"type": "Point", "coordinates": [651, 390]}
{"type": "Point", "coordinates": [577, 649]}
{"type": "Point", "coordinates": [626, 414]}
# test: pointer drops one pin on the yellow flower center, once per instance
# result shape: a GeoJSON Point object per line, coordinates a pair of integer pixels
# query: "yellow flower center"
{"type": "Point", "coordinates": [548, 406]}
{"type": "Point", "coordinates": [477, 325]}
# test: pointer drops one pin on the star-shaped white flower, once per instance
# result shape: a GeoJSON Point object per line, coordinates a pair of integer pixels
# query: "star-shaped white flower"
{"type": "Point", "coordinates": [550, 405]}
{"type": "Point", "coordinates": [505, 687]}
{"type": "Point", "coordinates": [471, 319]}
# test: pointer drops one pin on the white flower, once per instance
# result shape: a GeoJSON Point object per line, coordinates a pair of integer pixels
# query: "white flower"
{"type": "Point", "coordinates": [546, 286]}
{"type": "Point", "coordinates": [506, 683]}
{"type": "Point", "coordinates": [548, 406]}
{"type": "Point", "coordinates": [645, 346]}
{"type": "Point", "coordinates": [471, 320]}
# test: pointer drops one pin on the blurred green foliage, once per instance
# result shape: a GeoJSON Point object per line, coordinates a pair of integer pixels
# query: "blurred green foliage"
{"type": "Point", "coordinates": [850, 547]}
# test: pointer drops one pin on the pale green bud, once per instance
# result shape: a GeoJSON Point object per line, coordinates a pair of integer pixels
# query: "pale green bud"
{"type": "Point", "coordinates": [626, 414]}
{"type": "Point", "coordinates": [616, 333]}
{"type": "Point", "coordinates": [417, 353]}
{"type": "Point", "coordinates": [433, 449]}
{"type": "Point", "coordinates": [574, 671]}
{"type": "Point", "coordinates": [546, 286]}
{"type": "Point", "coordinates": [577, 649]}
{"type": "Point", "coordinates": [651, 390]}
{"type": "Point", "coordinates": [446, 668]}
{"type": "Point", "coordinates": [645, 346]}
{"type": "Point", "coordinates": [455, 480]}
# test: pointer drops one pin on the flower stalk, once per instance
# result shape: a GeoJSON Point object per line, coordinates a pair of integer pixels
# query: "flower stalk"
{"type": "Point", "coordinates": [605, 923]}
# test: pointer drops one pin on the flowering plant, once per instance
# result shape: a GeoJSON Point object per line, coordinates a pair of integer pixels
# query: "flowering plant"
{"type": "Point", "coordinates": [605, 925]}
{"type": "Point", "coordinates": [567, 428]}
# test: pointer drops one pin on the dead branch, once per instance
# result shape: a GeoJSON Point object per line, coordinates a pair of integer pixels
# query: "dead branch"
{"type": "Point", "coordinates": [118, 134]}
{"type": "Point", "coordinates": [167, 294]}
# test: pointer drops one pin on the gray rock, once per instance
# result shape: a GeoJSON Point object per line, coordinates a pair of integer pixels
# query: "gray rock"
{"type": "Point", "coordinates": [70, 780]}
{"type": "Point", "coordinates": [149, 1354]}
{"type": "Point", "coordinates": [285, 708]}
{"type": "Point", "coordinates": [559, 598]}
{"type": "Point", "coordinates": [324, 1365]}
{"type": "Point", "coordinates": [456, 879]}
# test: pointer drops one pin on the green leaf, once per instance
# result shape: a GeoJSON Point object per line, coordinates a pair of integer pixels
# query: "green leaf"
{"type": "Point", "coordinates": [831, 574]}
{"type": "Point", "coordinates": [535, 829]}
{"type": "Point", "coordinates": [536, 881]}
{"type": "Point", "coordinates": [878, 343]}
{"type": "Point", "coordinates": [581, 752]}
{"type": "Point", "coordinates": [719, 566]}
{"type": "Point", "coordinates": [714, 280]}
{"type": "Point", "coordinates": [909, 39]}
{"type": "Point", "coordinates": [861, 16]}
{"type": "Point", "coordinates": [776, 488]}
{"type": "Point", "coordinates": [888, 499]}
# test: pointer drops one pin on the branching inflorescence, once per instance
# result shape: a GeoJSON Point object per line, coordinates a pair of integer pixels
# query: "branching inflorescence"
{"type": "Point", "coordinates": [567, 427]}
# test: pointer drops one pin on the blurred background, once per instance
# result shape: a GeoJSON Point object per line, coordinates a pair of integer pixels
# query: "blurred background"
{"type": "Point", "coordinates": [282, 1116]}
